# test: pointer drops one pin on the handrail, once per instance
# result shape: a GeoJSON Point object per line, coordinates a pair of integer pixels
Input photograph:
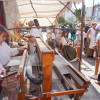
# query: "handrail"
{"type": "Point", "coordinates": [22, 63]}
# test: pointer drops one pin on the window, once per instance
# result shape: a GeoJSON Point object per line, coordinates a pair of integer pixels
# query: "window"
{"type": "Point", "coordinates": [98, 18]}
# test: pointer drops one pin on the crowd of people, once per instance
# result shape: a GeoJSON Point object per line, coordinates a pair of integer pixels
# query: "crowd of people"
{"type": "Point", "coordinates": [91, 37]}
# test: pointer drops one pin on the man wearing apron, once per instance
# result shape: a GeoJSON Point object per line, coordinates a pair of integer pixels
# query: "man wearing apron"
{"type": "Point", "coordinates": [97, 55]}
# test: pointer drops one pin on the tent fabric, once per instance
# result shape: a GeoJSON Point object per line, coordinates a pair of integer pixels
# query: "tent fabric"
{"type": "Point", "coordinates": [46, 11]}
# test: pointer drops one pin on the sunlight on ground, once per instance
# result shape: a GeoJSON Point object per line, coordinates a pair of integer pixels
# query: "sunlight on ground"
{"type": "Point", "coordinates": [88, 68]}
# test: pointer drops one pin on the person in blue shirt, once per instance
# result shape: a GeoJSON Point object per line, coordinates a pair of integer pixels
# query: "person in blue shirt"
{"type": "Point", "coordinates": [87, 27]}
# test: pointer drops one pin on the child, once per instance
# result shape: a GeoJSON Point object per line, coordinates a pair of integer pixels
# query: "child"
{"type": "Point", "coordinates": [5, 51]}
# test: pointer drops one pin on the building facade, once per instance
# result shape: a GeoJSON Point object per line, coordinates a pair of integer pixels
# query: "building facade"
{"type": "Point", "coordinates": [9, 14]}
{"type": "Point", "coordinates": [96, 13]}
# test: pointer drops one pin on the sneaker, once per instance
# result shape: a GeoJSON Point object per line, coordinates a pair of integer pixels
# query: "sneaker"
{"type": "Point", "coordinates": [94, 76]}
{"type": "Point", "coordinates": [97, 82]}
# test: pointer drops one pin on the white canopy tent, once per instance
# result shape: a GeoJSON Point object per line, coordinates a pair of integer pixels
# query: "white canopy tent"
{"type": "Point", "coordinates": [46, 11]}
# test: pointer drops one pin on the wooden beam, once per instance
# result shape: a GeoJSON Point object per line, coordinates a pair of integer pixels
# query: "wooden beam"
{"type": "Point", "coordinates": [22, 63]}
{"type": "Point", "coordinates": [62, 9]}
{"type": "Point", "coordinates": [75, 6]}
{"type": "Point", "coordinates": [82, 25]}
{"type": "Point", "coordinates": [65, 92]}
{"type": "Point", "coordinates": [53, 94]}
{"type": "Point", "coordinates": [33, 8]}
{"type": "Point", "coordinates": [45, 27]}
{"type": "Point", "coordinates": [66, 6]}
{"type": "Point", "coordinates": [50, 21]}
{"type": "Point", "coordinates": [20, 79]}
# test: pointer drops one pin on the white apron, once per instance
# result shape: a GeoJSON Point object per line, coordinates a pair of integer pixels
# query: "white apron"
{"type": "Point", "coordinates": [92, 38]}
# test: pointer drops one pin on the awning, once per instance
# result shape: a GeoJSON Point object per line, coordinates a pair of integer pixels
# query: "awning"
{"type": "Point", "coordinates": [46, 11]}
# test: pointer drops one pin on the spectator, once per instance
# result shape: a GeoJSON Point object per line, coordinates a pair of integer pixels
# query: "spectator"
{"type": "Point", "coordinates": [73, 33]}
{"type": "Point", "coordinates": [90, 40]}
{"type": "Point", "coordinates": [87, 27]}
{"type": "Point", "coordinates": [58, 38]}
{"type": "Point", "coordinates": [67, 26]}
{"type": "Point", "coordinates": [69, 52]}
{"type": "Point", "coordinates": [78, 35]}
{"type": "Point", "coordinates": [97, 55]}
{"type": "Point", "coordinates": [34, 32]}
{"type": "Point", "coordinates": [51, 39]}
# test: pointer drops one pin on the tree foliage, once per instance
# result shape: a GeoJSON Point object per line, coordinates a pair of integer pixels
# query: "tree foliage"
{"type": "Point", "coordinates": [78, 12]}
{"type": "Point", "coordinates": [71, 21]}
{"type": "Point", "coordinates": [61, 20]}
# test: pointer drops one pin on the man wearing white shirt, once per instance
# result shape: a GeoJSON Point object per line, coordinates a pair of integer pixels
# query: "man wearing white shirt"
{"type": "Point", "coordinates": [34, 32]}
{"type": "Point", "coordinates": [97, 46]}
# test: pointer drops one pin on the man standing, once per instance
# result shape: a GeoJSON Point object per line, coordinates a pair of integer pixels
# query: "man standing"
{"type": "Point", "coordinates": [90, 40]}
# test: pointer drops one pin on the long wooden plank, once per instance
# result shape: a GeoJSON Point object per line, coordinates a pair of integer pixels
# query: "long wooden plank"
{"type": "Point", "coordinates": [22, 63]}
{"type": "Point", "coordinates": [53, 94]}
{"type": "Point", "coordinates": [65, 92]}
{"type": "Point", "coordinates": [79, 74]}
{"type": "Point", "coordinates": [21, 95]}
{"type": "Point", "coordinates": [61, 68]}
{"type": "Point", "coordinates": [20, 77]}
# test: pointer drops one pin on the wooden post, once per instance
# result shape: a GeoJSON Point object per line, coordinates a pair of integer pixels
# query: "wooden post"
{"type": "Point", "coordinates": [82, 25]}
{"type": "Point", "coordinates": [20, 76]}
{"type": "Point", "coordinates": [21, 96]}
{"type": "Point", "coordinates": [8, 88]}
{"type": "Point", "coordinates": [55, 27]}
{"type": "Point", "coordinates": [47, 57]}
{"type": "Point", "coordinates": [47, 60]}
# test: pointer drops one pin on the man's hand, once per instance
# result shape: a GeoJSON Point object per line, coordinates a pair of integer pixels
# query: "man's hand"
{"type": "Point", "coordinates": [21, 49]}
{"type": "Point", "coordinates": [2, 71]}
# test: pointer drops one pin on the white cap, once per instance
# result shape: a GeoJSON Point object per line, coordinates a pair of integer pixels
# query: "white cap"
{"type": "Point", "coordinates": [31, 23]}
{"type": "Point", "coordinates": [98, 27]}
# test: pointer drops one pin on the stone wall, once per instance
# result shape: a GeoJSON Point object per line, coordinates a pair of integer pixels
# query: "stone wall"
{"type": "Point", "coordinates": [11, 14]}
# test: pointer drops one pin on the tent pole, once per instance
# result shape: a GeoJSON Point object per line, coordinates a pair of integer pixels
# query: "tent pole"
{"type": "Point", "coordinates": [82, 26]}
{"type": "Point", "coordinates": [56, 26]}
{"type": "Point", "coordinates": [50, 21]}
